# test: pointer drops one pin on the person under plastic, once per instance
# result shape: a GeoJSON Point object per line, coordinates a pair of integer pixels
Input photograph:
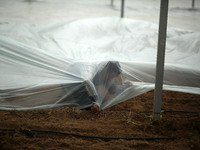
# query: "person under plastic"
{"type": "Point", "coordinates": [99, 88]}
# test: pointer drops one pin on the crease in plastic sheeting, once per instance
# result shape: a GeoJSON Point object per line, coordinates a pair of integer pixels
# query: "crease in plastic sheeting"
{"type": "Point", "coordinates": [58, 64]}
{"type": "Point", "coordinates": [29, 57]}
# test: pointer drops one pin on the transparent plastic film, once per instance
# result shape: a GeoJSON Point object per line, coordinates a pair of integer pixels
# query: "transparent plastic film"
{"type": "Point", "coordinates": [80, 63]}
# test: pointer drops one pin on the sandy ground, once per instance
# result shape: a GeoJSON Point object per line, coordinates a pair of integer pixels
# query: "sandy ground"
{"type": "Point", "coordinates": [122, 120]}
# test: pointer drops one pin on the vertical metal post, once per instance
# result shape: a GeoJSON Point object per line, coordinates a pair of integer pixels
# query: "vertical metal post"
{"type": "Point", "coordinates": [122, 8]}
{"type": "Point", "coordinates": [112, 3]}
{"type": "Point", "coordinates": [193, 4]}
{"type": "Point", "coordinates": [160, 58]}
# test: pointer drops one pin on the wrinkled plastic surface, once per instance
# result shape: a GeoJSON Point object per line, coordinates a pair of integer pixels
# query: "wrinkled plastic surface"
{"type": "Point", "coordinates": [67, 64]}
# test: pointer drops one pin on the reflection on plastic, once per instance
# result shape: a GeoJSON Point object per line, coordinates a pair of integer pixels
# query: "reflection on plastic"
{"type": "Point", "coordinates": [101, 61]}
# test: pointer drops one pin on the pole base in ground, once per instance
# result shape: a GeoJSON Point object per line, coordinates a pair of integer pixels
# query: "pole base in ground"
{"type": "Point", "coordinates": [156, 115]}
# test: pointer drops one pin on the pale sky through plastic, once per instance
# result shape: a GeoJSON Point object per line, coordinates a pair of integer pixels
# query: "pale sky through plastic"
{"type": "Point", "coordinates": [51, 11]}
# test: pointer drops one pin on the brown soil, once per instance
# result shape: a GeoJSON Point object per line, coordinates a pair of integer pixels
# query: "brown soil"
{"type": "Point", "coordinates": [122, 120]}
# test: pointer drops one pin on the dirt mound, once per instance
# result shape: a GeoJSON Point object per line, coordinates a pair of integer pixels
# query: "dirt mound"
{"type": "Point", "coordinates": [81, 129]}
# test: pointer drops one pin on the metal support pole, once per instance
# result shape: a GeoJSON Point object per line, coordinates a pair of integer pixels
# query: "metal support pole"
{"type": "Point", "coordinates": [122, 8]}
{"type": "Point", "coordinates": [193, 4]}
{"type": "Point", "coordinates": [112, 3]}
{"type": "Point", "coordinates": [160, 58]}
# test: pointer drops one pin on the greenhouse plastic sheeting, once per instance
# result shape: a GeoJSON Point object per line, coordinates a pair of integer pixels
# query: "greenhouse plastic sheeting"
{"type": "Point", "coordinates": [82, 62]}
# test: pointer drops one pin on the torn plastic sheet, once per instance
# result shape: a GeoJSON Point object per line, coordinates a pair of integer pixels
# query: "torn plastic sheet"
{"type": "Point", "coordinates": [81, 62]}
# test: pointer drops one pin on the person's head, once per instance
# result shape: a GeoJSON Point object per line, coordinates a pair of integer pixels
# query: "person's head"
{"type": "Point", "coordinates": [113, 68]}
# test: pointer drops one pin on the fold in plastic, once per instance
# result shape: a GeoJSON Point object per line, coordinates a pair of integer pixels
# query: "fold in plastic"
{"type": "Point", "coordinates": [82, 62]}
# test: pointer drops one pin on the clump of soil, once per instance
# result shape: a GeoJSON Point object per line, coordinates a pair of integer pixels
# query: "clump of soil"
{"type": "Point", "coordinates": [132, 118]}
